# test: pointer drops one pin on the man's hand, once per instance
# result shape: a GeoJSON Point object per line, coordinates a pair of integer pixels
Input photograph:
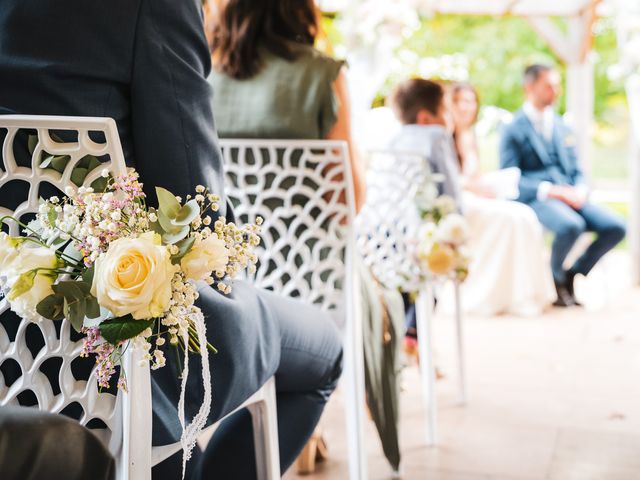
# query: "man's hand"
{"type": "Point", "coordinates": [572, 196]}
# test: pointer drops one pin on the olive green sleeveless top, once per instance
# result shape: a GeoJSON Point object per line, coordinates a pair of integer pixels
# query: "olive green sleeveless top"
{"type": "Point", "coordinates": [285, 99]}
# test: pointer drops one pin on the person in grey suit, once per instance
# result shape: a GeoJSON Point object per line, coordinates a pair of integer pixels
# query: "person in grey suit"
{"type": "Point", "coordinates": [419, 105]}
{"type": "Point", "coordinates": [552, 182]}
{"type": "Point", "coordinates": [145, 63]}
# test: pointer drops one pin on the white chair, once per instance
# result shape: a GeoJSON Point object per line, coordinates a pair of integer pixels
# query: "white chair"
{"type": "Point", "coordinates": [303, 190]}
{"type": "Point", "coordinates": [388, 228]}
{"type": "Point", "coordinates": [122, 422]}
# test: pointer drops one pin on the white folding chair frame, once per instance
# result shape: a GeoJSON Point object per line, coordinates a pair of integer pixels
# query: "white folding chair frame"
{"type": "Point", "coordinates": [387, 236]}
{"type": "Point", "coordinates": [326, 164]}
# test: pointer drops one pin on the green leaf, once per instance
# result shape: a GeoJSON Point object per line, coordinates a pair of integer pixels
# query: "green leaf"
{"type": "Point", "coordinates": [184, 246]}
{"type": "Point", "coordinates": [74, 311]}
{"type": "Point", "coordinates": [52, 216]}
{"type": "Point", "coordinates": [78, 175]}
{"type": "Point", "coordinates": [72, 290]}
{"type": "Point", "coordinates": [165, 222]}
{"type": "Point", "coordinates": [156, 227]}
{"type": "Point", "coordinates": [23, 284]}
{"type": "Point", "coordinates": [100, 184]}
{"type": "Point", "coordinates": [188, 213]}
{"type": "Point", "coordinates": [175, 236]}
{"type": "Point", "coordinates": [59, 163]}
{"type": "Point", "coordinates": [52, 307]}
{"type": "Point", "coordinates": [87, 275]}
{"type": "Point", "coordinates": [167, 202]}
{"type": "Point", "coordinates": [92, 307]}
{"type": "Point", "coordinates": [123, 328]}
{"type": "Point", "coordinates": [32, 142]}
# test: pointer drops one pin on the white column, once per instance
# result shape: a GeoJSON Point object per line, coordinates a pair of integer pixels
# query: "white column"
{"type": "Point", "coordinates": [580, 102]}
{"type": "Point", "coordinates": [633, 230]}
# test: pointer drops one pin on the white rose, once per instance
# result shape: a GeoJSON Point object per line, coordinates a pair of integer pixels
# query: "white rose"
{"type": "Point", "coordinates": [134, 277]}
{"type": "Point", "coordinates": [453, 229]}
{"type": "Point", "coordinates": [205, 257]}
{"type": "Point", "coordinates": [25, 291]}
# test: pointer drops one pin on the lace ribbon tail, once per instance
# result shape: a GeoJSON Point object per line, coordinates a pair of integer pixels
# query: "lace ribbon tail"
{"type": "Point", "coordinates": [191, 432]}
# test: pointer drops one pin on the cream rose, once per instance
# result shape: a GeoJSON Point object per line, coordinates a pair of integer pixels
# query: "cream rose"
{"type": "Point", "coordinates": [134, 277]}
{"type": "Point", "coordinates": [453, 229]}
{"type": "Point", "coordinates": [206, 256]}
{"type": "Point", "coordinates": [26, 291]}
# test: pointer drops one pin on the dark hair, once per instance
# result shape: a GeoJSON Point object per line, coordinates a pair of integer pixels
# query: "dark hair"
{"type": "Point", "coordinates": [414, 95]}
{"type": "Point", "coordinates": [458, 87]}
{"type": "Point", "coordinates": [242, 26]}
{"type": "Point", "coordinates": [533, 72]}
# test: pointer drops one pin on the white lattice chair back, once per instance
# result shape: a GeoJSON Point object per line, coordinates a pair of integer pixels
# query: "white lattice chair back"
{"type": "Point", "coordinates": [299, 189]}
{"type": "Point", "coordinates": [388, 224]}
{"type": "Point", "coordinates": [97, 137]}
{"type": "Point", "coordinates": [304, 192]}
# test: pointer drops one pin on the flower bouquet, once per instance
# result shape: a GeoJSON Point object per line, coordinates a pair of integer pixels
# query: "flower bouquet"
{"type": "Point", "coordinates": [442, 241]}
{"type": "Point", "coordinates": [124, 273]}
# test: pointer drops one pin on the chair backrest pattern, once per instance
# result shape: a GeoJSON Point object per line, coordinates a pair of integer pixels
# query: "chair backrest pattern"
{"type": "Point", "coordinates": [301, 189]}
{"type": "Point", "coordinates": [388, 225]}
{"type": "Point", "coordinates": [89, 136]}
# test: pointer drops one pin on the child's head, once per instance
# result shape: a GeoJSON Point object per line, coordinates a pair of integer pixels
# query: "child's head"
{"type": "Point", "coordinates": [419, 101]}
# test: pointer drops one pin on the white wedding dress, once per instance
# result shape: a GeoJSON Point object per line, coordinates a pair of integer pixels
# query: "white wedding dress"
{"type": "Point", "coordinates": [509, 271]}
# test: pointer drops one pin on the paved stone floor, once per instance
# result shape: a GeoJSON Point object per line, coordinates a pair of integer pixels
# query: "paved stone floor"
{"type": "Point", "coordinates": [555, 397]}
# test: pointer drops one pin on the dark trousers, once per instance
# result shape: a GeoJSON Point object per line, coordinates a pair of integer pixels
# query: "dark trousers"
{"type": "Point", "coordinates": [568, 224]}
{"type": "Point", "coordinates": [37, 445]}
{"type": "Point", "coordinates": [310, 364]}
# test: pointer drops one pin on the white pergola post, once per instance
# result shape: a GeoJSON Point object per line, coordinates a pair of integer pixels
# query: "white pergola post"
{"type": "Point", "coordinates": [580, 104]}
{"type": "Point", "coordinates": [633, 231]}
{"type": "Point", "coordinates": [574, 49]}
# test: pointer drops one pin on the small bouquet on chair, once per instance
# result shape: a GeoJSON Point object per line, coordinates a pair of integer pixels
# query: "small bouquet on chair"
{"type": "Point", "coordinates": [443, 236]}
{"type": "Point", "coordinates": [124, 273]}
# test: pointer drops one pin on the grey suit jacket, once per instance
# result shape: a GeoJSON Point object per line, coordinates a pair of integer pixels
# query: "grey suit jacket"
{"type": "Point", "coordinates": [143, 63]}
{"type": "Point", "coordinates": [435, 144]}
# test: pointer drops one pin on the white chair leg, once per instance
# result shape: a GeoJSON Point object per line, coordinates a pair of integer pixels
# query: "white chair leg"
{"type": "Point", "coordinates": [462, 400]}
{"type": "Point", "coordinates": [265, 434]}
{"type": "Point", "coordinates": [424, 306]}
{"type": "Point", "coordinates": [353, 378]}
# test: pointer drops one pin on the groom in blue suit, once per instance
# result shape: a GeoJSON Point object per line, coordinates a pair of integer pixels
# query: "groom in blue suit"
{"type": "Point", "coordinates": [552, 182]}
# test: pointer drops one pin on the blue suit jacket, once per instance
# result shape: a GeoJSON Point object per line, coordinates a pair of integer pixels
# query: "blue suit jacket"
{"type": "Point", "coordinates": [522, 147]}
{"type": "Point", "coordinates": [143, 63]}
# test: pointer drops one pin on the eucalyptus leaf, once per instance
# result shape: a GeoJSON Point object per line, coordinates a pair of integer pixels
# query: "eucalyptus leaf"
{"type": "Point", "coordinates": [73, 252]}
{"type": "Point", "coordinates": [175, 236]}
{"type": "Point", "coordinates": [32, 143]}
{"type": "Point", "coordinates": [165, 222]}
{"type": "Point", "coordinates": [78, 175]}
{"type": "Point", "coordinates": [156, 227]}
{"type": "Point", "coordinates": [167, 202]}
{"type": "Point", "coordinates": [123, 328]}
{"type": "Point", "coordinates": [188, 213]}
{"type": "Point", "coordinates": [92, 307]}
{"type": "Point", "coordinates": [59, 163]}
{"type": "Point", "coordinates": [87, 275]}
{"type": "Point", "coordinates": [74, 311]}
{"type": "Point", "coordinates": [51, 307]}
{"type": "Point", "coordinates": [184, 246]}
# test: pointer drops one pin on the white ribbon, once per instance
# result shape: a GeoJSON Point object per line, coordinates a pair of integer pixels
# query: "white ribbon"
{"type": "Point", "coordinates": [191, 432]}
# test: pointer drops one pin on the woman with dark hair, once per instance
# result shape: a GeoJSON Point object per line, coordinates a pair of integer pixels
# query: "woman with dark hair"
{"type": "Point", "coordinates": [507, 274]}
{"type": "Point", "coordinates": [270, 81]}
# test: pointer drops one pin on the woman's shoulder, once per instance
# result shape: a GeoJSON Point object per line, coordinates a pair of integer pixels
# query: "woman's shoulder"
{"type": "Point", "coordinates": [317, 59]}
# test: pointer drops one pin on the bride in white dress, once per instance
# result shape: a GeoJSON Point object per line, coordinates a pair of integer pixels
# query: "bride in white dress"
{"type": "Point", "coordinates": [509, 273]}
